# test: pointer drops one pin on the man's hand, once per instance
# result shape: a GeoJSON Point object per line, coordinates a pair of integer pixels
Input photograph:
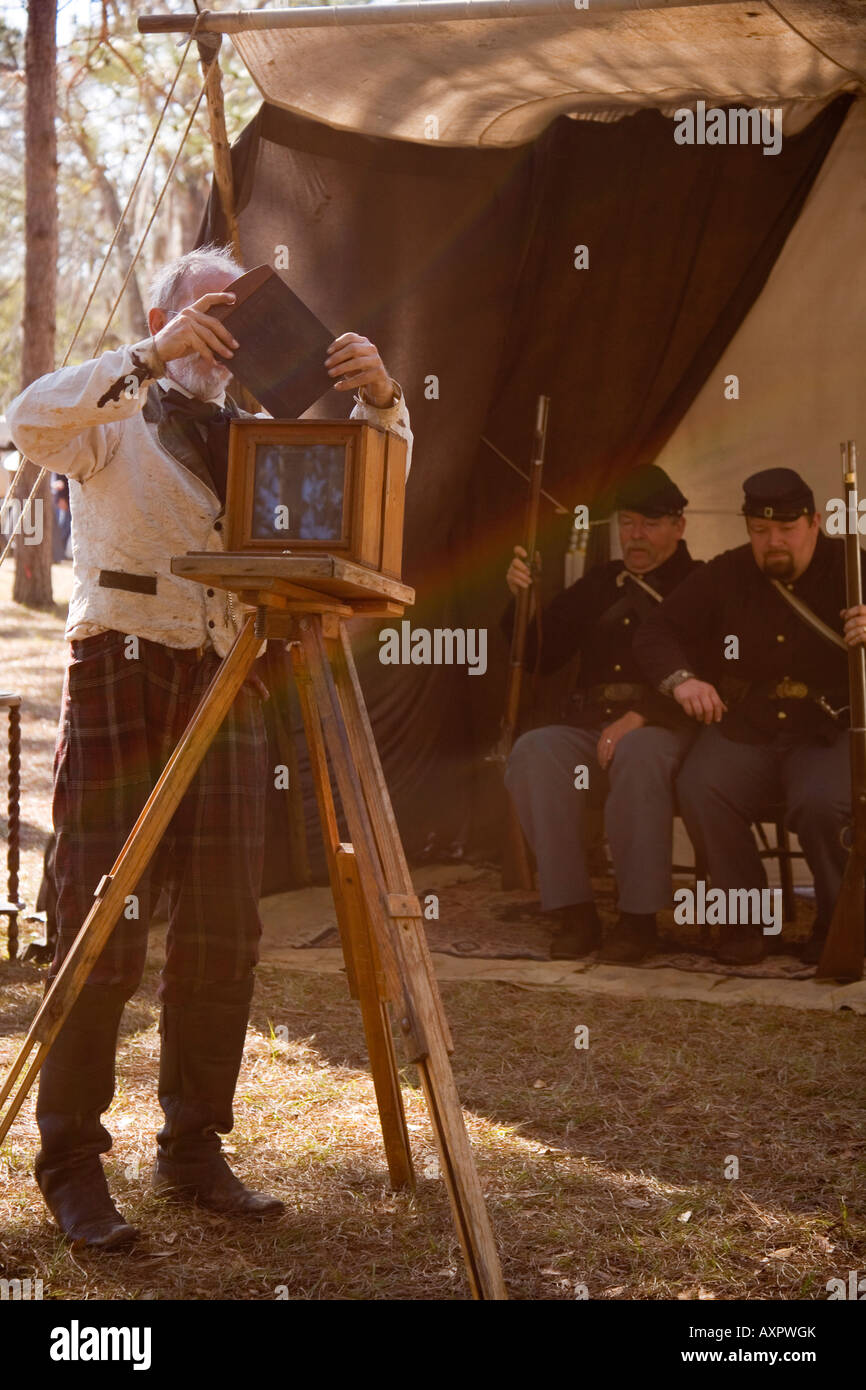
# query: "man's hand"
{"type": "Point", "coordinates": [855, 625]}
{"type": "Point", "coordinates": [700, 700]}
{"type": "Point", "coordinates": [357, 361]}
{"type": "Point", "coordinates": [192, 329]}
{"type": "Point", "coordinates": [612, 733]}
{"type": "Point", "coordinates": [519, 575]}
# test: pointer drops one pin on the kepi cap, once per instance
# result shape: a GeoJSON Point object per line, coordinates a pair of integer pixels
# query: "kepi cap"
{"type": "Point", "coordinates": [649, 491]}
{"type": "Point", "coordinates": [777, 494]}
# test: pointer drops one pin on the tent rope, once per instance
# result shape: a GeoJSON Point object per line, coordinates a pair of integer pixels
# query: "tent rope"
{"type": "Point", "coordinates": [10, 496]}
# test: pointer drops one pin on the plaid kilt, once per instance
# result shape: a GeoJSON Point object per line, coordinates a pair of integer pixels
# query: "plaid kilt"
{"type": "Point", "coordinates": [121, 717]}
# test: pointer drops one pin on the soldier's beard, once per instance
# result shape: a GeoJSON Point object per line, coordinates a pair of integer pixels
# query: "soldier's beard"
{"type": "Point", "coordinates": [779, 566]}
{"type": "Point", "coordinates": [203, 381]}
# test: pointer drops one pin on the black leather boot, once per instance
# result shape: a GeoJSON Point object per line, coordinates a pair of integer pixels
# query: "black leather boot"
{"type": "Point", "coordinates": [633, 937]}
{"type": "Point", "coordinates": [76, 1085]}
{"type": "Point", "coordinates": [741, 945]}
{"type": "Point", "coordinates": [813, 949]}
{"type": "Point", "coordinates": [200, 1058]}
{"type": "Point", "coordinates": [578, 931]}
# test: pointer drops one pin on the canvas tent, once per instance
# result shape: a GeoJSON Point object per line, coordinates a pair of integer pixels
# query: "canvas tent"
{"type": "Point", "coordinates": [455, 251]}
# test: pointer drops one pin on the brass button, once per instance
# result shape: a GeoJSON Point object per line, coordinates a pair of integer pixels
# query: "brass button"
{"type": "Point", "coordinates": [608, 711]}
{"type": "Point", "coordinates": [781, 714]}
{"type": "Point", "coordinates": [626, 621]}
{"type": "Point", "coordinates": [780, 636]}
{"type": "Point", "coordinates": [617, 667]}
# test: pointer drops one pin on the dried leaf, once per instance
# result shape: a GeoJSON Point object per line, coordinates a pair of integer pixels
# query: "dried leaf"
{"type": "Point", "coordinates": [684, 1216]}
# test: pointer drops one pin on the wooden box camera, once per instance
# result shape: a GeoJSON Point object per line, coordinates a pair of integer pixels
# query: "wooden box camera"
{"type": "Point", "coordinates": [317, 487]}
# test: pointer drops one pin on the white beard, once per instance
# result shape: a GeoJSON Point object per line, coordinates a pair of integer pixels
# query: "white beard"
{"type": "Point", "coordinates": [203, 381]}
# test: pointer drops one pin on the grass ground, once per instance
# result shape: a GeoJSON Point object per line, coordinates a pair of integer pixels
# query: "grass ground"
{"type": "Point", "coordinates": [604, 1166]}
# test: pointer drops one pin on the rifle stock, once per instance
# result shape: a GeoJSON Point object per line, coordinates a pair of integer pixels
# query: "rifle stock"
{"type": "Point", "coordinates": [516, 866]}
{"type": "Point", "coordinates": [842, 957]}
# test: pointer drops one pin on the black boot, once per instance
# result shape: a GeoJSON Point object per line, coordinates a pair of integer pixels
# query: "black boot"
{"type": "Point", "coordinates": [633, 937]}
{"type": "Point", "coordinates": [741, 945]}
{"type": "Point", "coordinates": [578, 931]}
{"type": "Point", "coordinates": [813, 949]}
{"type": "Point", "coordinates": [200, 1057]}
{"type": "Point", "coordinates": [76, 1085]}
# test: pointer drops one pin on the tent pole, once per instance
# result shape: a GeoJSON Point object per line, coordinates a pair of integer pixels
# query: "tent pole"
{"type": "Point", "coordinates": [208, 48]}
{"type": "Point", "coordinates": [408, 12]}
{"type": "Point", "coordinates": [208, 51]}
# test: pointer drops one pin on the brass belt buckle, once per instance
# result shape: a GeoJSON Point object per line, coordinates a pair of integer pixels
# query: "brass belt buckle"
{"type": "Point", "coordinates": [791, 690]}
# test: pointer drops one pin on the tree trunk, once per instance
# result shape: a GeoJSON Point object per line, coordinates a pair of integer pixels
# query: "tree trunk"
{"type": "Point", "coordinates": [33, 547]}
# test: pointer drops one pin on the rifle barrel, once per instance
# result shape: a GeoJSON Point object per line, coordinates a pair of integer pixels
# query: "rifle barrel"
{"type": "Point", "coordinates": [524, 598]}
{"type": "Point", "coordinates": [842, 957]}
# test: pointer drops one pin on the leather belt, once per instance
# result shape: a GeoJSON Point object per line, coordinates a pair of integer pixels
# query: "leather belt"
{"type": "Point", "coordinates": [789, 690]}
{"type": "Point", "coordinates": [733, 690]}
{"type": "Point", "coordinates": [618, 692]}
{"type": "Point", "coordinates": [133, 583]}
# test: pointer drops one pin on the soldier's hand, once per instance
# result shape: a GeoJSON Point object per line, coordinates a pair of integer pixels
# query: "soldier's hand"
{"type": "Point", "coordinates": [519, 575]}
{"type": "Point", "coordinates": [854, 631]}
{"type": "Point", "coordinates": [700, 700]}
{"type": "Point", "coordinates": [612, 733]}
{"type": "Point", "coordinates": [192, 329]}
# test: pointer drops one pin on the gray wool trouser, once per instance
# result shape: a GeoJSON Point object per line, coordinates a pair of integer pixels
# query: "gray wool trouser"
{"type": "Point", "coordinates": [724, 786]}
{"type": "Point", "coordinates": [638, 811]}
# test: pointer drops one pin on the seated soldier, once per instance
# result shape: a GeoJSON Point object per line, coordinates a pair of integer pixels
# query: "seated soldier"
{"type": "Point", "coordinates": [618, 728]}
{"type": "Point", "coordinates": [774, 698]}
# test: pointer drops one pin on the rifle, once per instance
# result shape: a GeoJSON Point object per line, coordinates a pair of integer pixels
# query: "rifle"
{"type": "Point", "coordinates": [842, 957]}
{"type": "Point", "coordinates": [516, 868]}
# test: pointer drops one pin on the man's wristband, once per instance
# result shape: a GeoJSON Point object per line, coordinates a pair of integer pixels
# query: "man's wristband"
{"type": "Point", "coordinates": [670, 683]}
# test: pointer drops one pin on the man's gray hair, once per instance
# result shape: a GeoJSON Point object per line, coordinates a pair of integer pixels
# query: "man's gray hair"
{"type": "Point", "coordinates": [167, 286]}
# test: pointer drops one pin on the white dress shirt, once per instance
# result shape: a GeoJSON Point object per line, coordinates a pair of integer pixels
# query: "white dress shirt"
{"type": "Point", "coordinates": [133, 504]}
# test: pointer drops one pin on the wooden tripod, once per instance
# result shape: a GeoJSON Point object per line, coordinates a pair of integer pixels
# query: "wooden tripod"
{"type": "Point", "coordinates": [379, 916]}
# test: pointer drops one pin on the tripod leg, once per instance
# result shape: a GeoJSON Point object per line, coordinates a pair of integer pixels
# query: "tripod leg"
{"type": "Point", "coordinates": [378, 803]}
{"type": "Point", "coordinates": [130, 864]}
{"type": "Point", "coordinates": [394, 910]}
{"type": "Point", "coordinates": [363, 968]}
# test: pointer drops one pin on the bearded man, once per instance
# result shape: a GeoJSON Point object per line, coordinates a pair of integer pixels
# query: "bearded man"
{"type": "Point", "coordinates": [736, 650]}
